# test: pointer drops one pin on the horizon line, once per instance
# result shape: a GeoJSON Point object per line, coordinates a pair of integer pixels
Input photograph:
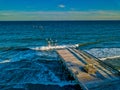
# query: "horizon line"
{"type": "Point", "coordinates": [52, 20]}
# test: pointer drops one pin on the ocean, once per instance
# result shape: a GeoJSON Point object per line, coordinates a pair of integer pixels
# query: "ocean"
{"type": "Point", "coordinates": [25, 66]}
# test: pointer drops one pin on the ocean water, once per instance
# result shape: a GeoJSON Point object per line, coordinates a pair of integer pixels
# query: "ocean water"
{"type": "Point", "coordinates": [22, 63]}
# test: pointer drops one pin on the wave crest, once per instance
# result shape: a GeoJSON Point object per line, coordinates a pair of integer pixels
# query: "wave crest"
{"type": "Point", "coordinates": [55, 47]}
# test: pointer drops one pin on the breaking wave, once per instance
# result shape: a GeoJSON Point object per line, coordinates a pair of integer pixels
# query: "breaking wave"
{"type": "Point", "coordinates": [31, 55]}
{"type": "Point", "coordinates": [112, 57]}
{"type": "Point", "coordinates": [104, 53]}
{"type": "Point", "coordinates": [55, 47]}
{"type": "Point", "coordinates": [39, 65]}
{"type": "Point", "coordinates": [20, 66]}
{"type": "Point", "coordinates": [24, 72]}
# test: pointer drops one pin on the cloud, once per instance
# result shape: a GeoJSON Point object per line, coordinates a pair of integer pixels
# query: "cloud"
{"type": "Point", "coordinates": [61, 6]}
{"type": "Point", "coordinates": [60, 15]}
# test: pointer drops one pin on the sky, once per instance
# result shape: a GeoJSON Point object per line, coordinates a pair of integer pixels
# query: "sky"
{"type": "Point", "coordinates": [59, 10]}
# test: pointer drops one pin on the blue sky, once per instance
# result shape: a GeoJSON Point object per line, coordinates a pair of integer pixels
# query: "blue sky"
{"type": "Point", "coordinates": [59, 10]}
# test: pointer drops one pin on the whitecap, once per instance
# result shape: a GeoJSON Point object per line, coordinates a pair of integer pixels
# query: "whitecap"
{"type": "Point", "coordinates": [104, 52]}
{"type": "Point", "coordinates": [5, 61]}
{"type": "Point", "coordinates": [54, 47]}
{"type": "Point", "coordinates": [113, 57]}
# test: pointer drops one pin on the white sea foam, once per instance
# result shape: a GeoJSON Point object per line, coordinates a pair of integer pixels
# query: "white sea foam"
{"type": "Point", "coordinates": [29, 55]}
{"type": "Point", "coordinates": [104, 52]}
{"type": "Point", "coordinates": [5, 61]}
{"type": "Point", "coordinates": [54, 47]}
{"type": "Point", "coordinates": [36, 73]}
{"type": "Point", "coordinates": [114, 57]}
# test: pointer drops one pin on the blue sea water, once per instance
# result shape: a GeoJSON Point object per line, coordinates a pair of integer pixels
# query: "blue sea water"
{"type": "Point", "coordinates": [28, 34]}
{"type": "Point", "coordinates": [21, 64]}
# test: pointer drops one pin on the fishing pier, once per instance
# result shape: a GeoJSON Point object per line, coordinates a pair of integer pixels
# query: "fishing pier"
{"type": "Point", "coordinates": [101, 76]}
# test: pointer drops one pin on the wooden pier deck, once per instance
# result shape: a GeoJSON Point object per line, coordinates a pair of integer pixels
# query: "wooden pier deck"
{"type": "Point", "coordinates": [106, 77]}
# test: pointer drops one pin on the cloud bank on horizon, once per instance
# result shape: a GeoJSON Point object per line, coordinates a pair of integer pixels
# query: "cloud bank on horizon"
{"type": "Point", "coordinates": [59, 10]}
